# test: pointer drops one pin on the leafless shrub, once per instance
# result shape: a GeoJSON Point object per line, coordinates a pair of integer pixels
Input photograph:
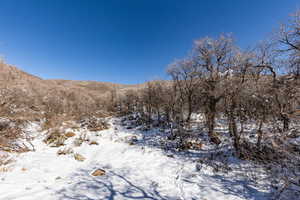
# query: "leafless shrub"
{"type": "Point", "coordinates": [11, 134]}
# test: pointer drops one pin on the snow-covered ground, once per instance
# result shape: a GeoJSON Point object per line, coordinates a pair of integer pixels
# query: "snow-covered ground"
{"type": "Point", "coordinates": [140, 171]}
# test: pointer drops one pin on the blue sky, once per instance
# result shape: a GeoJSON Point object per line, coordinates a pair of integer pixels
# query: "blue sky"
{"type": "Point", "coordinates": [124, 41]}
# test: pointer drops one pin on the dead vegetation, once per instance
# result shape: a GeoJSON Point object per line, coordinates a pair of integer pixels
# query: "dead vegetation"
{"type": "Point", "coordinates": [5, 159]}
{"type": "Point", "coordinates": [11, 135]}
{"type": "Point", "coordinates": [65, 151]}
{"type": "Point", "coordinates": [79, 157]}
{"type": "Point", "coordinates": [94, 124]}
{"type": "Point", "coordinates": [55, 138]}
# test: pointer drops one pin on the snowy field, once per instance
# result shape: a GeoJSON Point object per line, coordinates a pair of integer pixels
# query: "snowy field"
{"type": "Point", "coordinates": [139, 171]}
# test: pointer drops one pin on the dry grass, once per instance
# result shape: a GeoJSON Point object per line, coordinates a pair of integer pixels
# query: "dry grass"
{"type": "Point", "coordinates": [5, 160]}
{"type": "Point", "coordinates": [11, 131]}
{"type": "Point", "coordinates": [4, 169]}
{"type": "Point", "coordinates": [79, 157]}
{"type": "Point", "coordinates": [55, 138]}
{"type": "Point", "coordinates": [94, 124]}
{"type": "Point", "coordinates": [53, 120]}
{"type": "Point", "coordinates": [4, 163]}
{"type": "Point", "coordinates": [65, 151]}
{"type": "Point", "coordinates": [22, 94]}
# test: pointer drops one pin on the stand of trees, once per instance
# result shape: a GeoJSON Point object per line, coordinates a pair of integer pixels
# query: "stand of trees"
{"type": "Point", "coordinates": [218, 79]}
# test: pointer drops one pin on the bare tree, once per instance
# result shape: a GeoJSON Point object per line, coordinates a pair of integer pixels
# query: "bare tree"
{"type": "Point", "coordinates": [213, 58]}
{"type": "Point", "coordinates": [289, 37]}
{"type": "Point", "coordinates": [236, 94]}
{"type": "Point", "coordinates": [186, 76]}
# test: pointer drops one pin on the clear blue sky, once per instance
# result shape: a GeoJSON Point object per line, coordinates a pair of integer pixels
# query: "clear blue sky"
{"type": "Point", "coordinates": [124, 41]}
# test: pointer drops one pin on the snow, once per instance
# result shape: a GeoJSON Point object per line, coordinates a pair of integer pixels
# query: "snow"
{"type": "Point", "coordinates": [138, 171]}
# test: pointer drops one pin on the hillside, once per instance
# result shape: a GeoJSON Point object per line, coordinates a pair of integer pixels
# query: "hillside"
{"type": "Point", "coordinates": [26, 91]}
{"type": "Point", "coordinates": [13, 77]}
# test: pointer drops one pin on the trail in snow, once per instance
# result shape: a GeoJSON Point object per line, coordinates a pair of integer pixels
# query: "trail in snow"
{"type": "Point", "coordinates": [132, 172]}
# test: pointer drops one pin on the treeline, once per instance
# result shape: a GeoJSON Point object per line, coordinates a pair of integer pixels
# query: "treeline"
{"type": "Point", "coordinates": [219, 79]}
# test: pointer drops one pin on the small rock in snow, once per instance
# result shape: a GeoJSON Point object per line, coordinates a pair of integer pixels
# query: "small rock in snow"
{"type": "Point", "coordinates": [70, 134]}
{"type": "Point", "coordinates": [94, 143]}
{"type": "Point", "coordinates": [98, 172]}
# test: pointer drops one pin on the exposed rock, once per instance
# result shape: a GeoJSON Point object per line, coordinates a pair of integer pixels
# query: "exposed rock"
{"type": "Point", "coordinates": [94, 143]}
{"type": "Point", "coordinates": [70, 134]}
{"type": "Point", "coordinates": [98, 172]}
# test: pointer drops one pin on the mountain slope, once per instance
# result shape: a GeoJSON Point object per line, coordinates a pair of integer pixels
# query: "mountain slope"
{"type": "Point", "coordinates": [24, 91]}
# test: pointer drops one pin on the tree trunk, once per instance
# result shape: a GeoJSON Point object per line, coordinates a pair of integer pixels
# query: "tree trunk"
{"type": "Point", "coordinates": [189, 109]}
{"type": "Point", "coordinates": [211, 115]}
{"type": "Point", "coordinates": [286, 122]}
{"type": "Point", "coordinates": [149, 114]}
{"type": "Point", "coordinates": [233, 128]}
{"type": "Point", "coordinates": [158, 115]}
{"type": "Point", "coordinates": [167, 113]}
{"type": "Point", "coordinates": [211, 123]}
{"type": "Point", "coordinates": [260, 134]}
{"type": "Point", "coordinates": [234, 133]}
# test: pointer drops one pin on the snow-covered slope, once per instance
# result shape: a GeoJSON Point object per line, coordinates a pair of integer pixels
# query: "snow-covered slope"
{"type": "Point", "coordinates": [132, 172]}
